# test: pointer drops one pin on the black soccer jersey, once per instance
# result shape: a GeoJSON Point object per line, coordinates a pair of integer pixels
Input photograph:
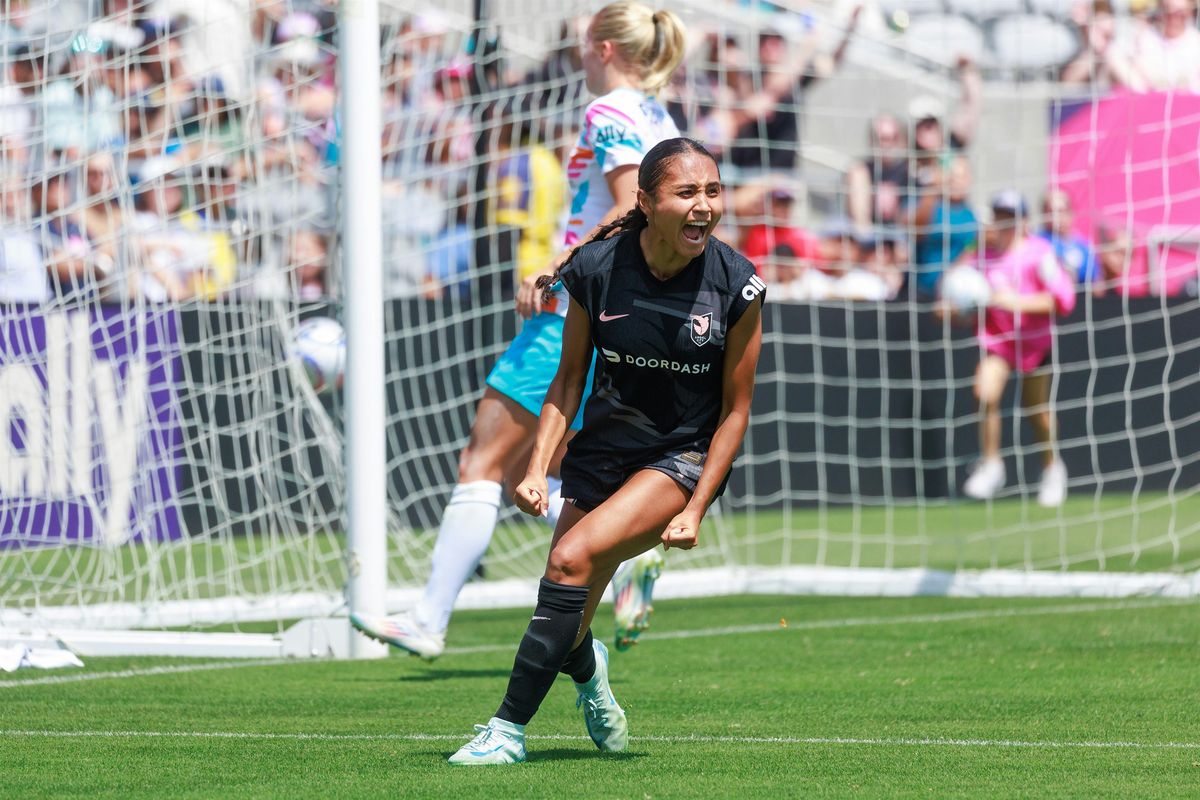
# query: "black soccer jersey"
{"type": "Point", "coordinates": [660, 345]}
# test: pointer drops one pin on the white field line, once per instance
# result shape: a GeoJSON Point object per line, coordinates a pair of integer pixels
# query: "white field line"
{"type": "Point", "coordinates": [448, 737]}
{"type": "Point", "coordinates": [148, 671]}
{"type": "Point", "coordinates": [700, 633]}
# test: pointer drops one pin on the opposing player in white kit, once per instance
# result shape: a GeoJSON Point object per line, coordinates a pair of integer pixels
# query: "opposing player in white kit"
{"type": "Point", "coordinates": [629, 53]}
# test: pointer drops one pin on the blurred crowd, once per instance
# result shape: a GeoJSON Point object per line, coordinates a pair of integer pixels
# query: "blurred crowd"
{"type": "Point", "coordinates": [152, 154]}
{"type": "Point", "coordinates": [162, 158]}
{"type": "Point", "coordinates": [1156, 47]}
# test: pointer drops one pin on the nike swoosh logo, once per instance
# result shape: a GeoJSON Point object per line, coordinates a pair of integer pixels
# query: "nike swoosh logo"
{"type": "Point", "coordinates": [481, 753]}
{"type": "Point", "coordinates": [607, 317]}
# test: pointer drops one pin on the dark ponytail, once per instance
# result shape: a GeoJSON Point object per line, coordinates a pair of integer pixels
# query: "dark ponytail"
{"type": "Point", "coordinates": [633, 220]}
{"type": "Point", "coordinates": [651, 172]}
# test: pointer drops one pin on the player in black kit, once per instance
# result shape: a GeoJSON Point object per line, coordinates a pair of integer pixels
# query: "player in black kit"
{"type": "Point", "coordinates": [675, 316]}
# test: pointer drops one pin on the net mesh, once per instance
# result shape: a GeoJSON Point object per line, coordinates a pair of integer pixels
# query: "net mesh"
{"type": "Point", "coordinates": [170, 176]}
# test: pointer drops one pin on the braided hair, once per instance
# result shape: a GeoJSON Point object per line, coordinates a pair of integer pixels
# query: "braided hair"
{"type": "Point", "coordinates": [651, 172]}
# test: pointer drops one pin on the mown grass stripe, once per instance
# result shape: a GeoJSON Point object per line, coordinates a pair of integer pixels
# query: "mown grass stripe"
{"type": "Point", "coordinates": [699, 633]}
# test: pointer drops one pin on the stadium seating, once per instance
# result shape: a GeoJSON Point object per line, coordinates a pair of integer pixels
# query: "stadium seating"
{"type": "Point", "coordinates": [1030, 42]}
{"type": "Point", "coordinates": [985, 9]}
{"type": "Point", "coordinates": [943, 38]}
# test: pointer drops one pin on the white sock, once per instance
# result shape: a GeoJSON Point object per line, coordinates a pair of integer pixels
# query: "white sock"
{"type": "Point", "coordinates": [554, 507]}
{"type": "Point", "coordinates": [467, 526]}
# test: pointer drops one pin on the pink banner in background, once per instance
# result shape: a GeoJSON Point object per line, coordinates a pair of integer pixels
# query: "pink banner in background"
{"type": "Point", "coordinates": [1132, 163]}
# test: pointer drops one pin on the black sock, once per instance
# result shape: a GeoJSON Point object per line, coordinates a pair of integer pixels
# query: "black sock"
{"type": "Point", "coordinates": [544, 648]}
{"type": "Point", "coordinates": [581, 662]}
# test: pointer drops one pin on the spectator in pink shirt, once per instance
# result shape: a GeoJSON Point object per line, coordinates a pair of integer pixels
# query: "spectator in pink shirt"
{"type": "Point", "coordinates": [1029, 289]}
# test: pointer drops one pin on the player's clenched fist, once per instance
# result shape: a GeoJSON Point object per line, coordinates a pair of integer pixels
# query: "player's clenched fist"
{"type": "Point", "coordinates": [531, 495]}
{"type": "Point", "coordinates": [682, 532]}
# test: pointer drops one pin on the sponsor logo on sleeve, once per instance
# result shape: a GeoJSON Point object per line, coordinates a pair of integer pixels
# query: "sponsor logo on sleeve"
{"type": "Point", "coordinates": [753, 288]}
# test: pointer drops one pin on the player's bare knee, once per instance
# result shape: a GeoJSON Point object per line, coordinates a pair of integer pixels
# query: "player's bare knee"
{"type": "Point", "coordinates": [569, 563]}
{"type": "Point", "coordinates": [476, 465]}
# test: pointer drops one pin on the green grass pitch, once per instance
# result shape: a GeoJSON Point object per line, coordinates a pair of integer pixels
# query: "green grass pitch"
{"type": "Point", "coordinates": [740, 697]}
{"type": "Point", "coordinates": [1154, 531]}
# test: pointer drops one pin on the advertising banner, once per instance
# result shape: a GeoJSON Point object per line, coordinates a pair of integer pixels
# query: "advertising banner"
{"type": "Point", "coordinates": [90, 432]}
{"type": "Point", "coordinates": [1131, 166]}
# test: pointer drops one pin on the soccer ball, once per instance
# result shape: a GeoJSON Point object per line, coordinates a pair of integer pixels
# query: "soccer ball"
{"type": "Point", "coordinates": [319, 344]}
{"type": "Point", "coordinates": [965, 288]}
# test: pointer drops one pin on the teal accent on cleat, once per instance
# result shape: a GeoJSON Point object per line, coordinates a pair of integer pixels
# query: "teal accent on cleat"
{"type": "Point", "coordinates": [401, 631]}
{"type": "Point", "coordinates": [605, 719]}
{"type": "Point", "coordinates": [633, 588]}
{"type": "Point", "coordinates": [498, 742]}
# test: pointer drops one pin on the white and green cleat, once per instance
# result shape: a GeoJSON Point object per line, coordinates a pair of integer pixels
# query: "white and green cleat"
{"type": "Point", "coordinates": [605, 719]}
{"type": "Point", "coordinates": [401, 631]}
{"type": "Point", "coordinates": [633, 588]}
{"type": "Point", "coordinates": [498, 742]}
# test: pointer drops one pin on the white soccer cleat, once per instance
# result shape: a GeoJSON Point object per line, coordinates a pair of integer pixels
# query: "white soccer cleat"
{"type": "Point", "coordinates": [1052, 492]}
{"type": "Point", "coordinates": [987, 479]}
{"type": "Point", "coordinates": [402, 631]}
{"type": "Point", "coordinates": [605, 719]}
{"type": "Point", "coordinates": [633, 588]}
{"type": "Point", "coordinates": [498, 742]}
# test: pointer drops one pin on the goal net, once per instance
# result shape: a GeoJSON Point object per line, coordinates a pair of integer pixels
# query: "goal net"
{"type": "Point", "coordinates": [171, 483]}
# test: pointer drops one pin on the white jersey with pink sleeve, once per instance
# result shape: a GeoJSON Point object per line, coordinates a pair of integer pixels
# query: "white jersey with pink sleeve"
{"type": "Point", "coordinates": [619, 128]}
{"type": "Point", "coordinates": [1028, 268]}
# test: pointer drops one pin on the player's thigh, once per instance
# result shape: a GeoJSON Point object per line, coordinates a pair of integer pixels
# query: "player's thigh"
{"type": "Point", "coordinates": [990, 377]}
{"type": "Point", "coordinates": [628, 523]}
{"type": "Point", "coordinates": [500, 436]}
{"type": "Point", "coordinates": [1035, 390]}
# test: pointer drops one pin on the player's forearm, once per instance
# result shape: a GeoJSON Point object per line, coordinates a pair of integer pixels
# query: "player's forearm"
{"type": "Point", "coordinates": [551, 427]}
{"type": "Point", "coordinates": [721, 451]}
{"type": "Point", "coordinates": [560, 406]}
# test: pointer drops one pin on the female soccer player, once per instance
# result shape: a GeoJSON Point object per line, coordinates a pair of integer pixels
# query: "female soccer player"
{"type": "Point", "coordinates": [629, 53]}
{"type": "Point", "coordinates": [1029, 287]}
{"type": "Point", "coordinates": [675, 317]}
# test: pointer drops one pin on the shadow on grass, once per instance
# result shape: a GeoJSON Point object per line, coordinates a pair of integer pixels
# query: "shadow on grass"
{"type": "Point", "coordinates": [580, 753]}
{"type": "Point", "coordinates": [539, 755]}
{"type": "Point", "coordinates": [436, 674]}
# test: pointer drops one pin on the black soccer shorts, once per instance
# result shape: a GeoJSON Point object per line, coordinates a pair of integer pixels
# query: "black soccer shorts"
{"type": "Point", "coordinates": [590, 480]}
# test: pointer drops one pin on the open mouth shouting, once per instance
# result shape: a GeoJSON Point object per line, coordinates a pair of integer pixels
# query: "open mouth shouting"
{"type": "Point", "coordinates": [696, 231]}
